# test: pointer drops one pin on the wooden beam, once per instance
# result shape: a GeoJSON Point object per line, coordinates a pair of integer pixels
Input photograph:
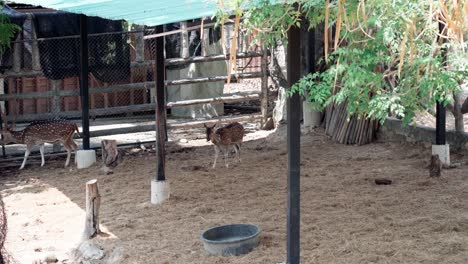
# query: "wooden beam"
{"type": "Point", "coordinates": [93, 112]}
{"type": "Point", "coordinates": [182, 61]}
{"type": "Point", "coordinates": [17, 52]}
{"type": "Point", "coordinates": [139, 43]}
{"type": "Point", "coordinates": [157, 35]}
{"type": "Point", "coordinates": [199, 123]}
{"type": "Point", "coordinates": [56, 94]}
{"type": "Point", "coordinates": [224, 99]}
{"type": "Point", "coordinates": [247, 75]}
{"type": "Point", "coordinates": [64, 93]}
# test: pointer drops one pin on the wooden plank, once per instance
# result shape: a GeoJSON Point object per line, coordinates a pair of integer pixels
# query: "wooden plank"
{"type": "Point", "coordinates": [64, 93]}
{"type": "Point", "coordinates": [220, 120]}
{"type": "Point", "coordinates": [93, 112]}
{"type": "Point", "coordinates": [136, 108]}
{"type": "Point", "coordinates": [162, 34]}
{"type": "Point", "coordinates": [182, 61]}
{"type": "Point", "coordinates": [224, 99]}
{"type": "Point", "coordinates": [214, 78]}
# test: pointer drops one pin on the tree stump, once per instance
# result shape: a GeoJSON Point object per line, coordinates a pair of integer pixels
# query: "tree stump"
{"type": "Point", "coordinates": [111, 156]}
{"type": "Point", "coordinates": [93, 201]}
{"type": "Point", "coordinates": [435, 167]}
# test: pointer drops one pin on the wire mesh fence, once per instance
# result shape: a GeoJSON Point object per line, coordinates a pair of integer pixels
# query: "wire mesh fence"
{"type": "Point", "coordinates": [40, 78]}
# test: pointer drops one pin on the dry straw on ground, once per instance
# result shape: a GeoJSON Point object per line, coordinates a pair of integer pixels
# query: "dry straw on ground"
{"type": "Point", "coordinates": [346, 217]}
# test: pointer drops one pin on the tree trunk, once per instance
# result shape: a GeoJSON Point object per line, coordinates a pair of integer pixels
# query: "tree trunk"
{"type": "Point", "coordinates": [278, 57]}
{"type": "Point", "coordinates": [457, 112]}
{"type": "Point", "coordinates": [93, 201]}
{"type": "Point", "coordinates": [111, 155]}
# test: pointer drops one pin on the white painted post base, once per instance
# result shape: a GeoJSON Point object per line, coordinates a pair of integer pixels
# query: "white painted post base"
{"type": "Point", "coordinates": [443, 151]}
{"type": "Point", "coordinates": [159, 191]}
{"type": "Point", "coordinates": [312, 117]}
{"type": "Point", "coordinates": [85, 158]}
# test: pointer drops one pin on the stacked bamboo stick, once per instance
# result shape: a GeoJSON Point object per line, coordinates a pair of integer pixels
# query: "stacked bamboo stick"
{"type": "Point", "coordinates": [349, 130]}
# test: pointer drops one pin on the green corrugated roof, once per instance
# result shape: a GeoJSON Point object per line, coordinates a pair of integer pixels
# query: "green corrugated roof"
{"type": "Point", "coordinates": [144, 12]}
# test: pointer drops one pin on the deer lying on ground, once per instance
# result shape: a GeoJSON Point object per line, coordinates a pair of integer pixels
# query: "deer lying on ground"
{"type": "Point", "coordinates": [39, 133]}
{"type": "Point", "coordinates": [224, 138]}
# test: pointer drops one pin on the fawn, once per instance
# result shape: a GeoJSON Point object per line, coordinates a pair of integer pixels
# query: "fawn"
{"type": "Point", "coordinates": [40, 132]}
{"type": "Point", "coordinates": [225, 137]}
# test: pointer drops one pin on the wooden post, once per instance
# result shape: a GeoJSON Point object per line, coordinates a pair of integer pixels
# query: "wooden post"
{"type": "Point", "coordinates": [139, 43]}
{"type": "Point", "coordinates": [264, 98]}
{"type": "Point", "coordinates": [56, 91]}
{"type": "Point", "coordinates": [294, 147]}
{"type": "Point", "coordinates": [36, 61]}
{"type": "Point", "coordinates": [56, 108]}
{"type": "Point", "coordinates": [93, 202]}
{"type": "Point", "coordinates": [205, 40]}
{"type": "Point", "coordinates": [184, 52]}
{"type": "Point", "coordinates": [17, 51]}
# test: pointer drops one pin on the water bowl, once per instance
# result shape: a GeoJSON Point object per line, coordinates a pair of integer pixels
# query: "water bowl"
{"type": "Point", "coordinates": [231, 240]}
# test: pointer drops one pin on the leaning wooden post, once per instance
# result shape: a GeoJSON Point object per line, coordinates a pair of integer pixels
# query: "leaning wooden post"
{"type": "Point", "coordinates": [93, 201]}
{"type": "Point", "coordinates": [264, 99]}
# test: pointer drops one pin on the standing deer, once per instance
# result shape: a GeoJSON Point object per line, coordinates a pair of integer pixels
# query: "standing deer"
{"type": "Point", "coordinates": [39, 133]}
{"type": "Point", "coordinates": [225, 137]}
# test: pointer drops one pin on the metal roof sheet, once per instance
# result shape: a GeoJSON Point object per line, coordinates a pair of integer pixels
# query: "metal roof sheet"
{"type": "Point", "coordinates": [144, 12]}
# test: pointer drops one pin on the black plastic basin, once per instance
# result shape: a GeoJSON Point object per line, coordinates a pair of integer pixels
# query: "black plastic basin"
{"type": "Point", "coordinates": [231, 240]}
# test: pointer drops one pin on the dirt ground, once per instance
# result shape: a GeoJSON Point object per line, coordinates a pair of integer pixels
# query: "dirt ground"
{"type": "Point", "coordinates": [345, 217]}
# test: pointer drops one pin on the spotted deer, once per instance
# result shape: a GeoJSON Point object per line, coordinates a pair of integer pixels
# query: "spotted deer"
{"type": "Point", "coordinates": [39, 133]}
{"type": "Point", "coordinates": [224, 138]}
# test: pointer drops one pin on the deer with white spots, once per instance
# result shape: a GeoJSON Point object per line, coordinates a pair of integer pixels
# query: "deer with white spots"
{"type": "Point", "coordinates": [224, 138]}
{"type": "Point", "coordinates": [39, 133]}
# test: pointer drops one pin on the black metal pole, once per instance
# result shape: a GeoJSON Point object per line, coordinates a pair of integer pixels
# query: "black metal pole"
{"type": "Point", "coordinates": [160, 107]}
{"type": "Point", "coordinates": [440, 124]}
{"type": "Point", "coordinates": [84, 89]}
{"type": "Point", "coordinates": [1, 128]}
{"type": "Point", "coordinates": [440, 109]}
{"type": "Point", "coordinates": [293, 116]}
